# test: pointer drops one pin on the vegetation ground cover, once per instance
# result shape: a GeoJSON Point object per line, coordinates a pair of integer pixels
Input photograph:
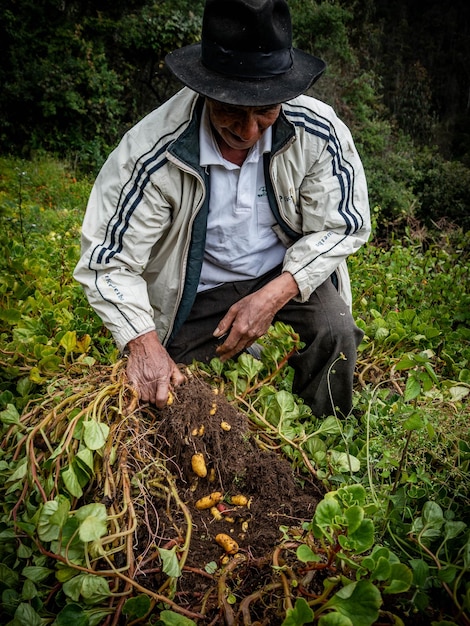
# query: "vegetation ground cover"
{"type": "Point", "coordinates": [98, 522]}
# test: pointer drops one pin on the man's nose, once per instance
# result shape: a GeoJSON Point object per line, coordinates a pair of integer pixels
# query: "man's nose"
{"type": "Point", "coordinates": [248, 127]}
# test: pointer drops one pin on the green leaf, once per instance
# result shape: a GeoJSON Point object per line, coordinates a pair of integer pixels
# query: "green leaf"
{"type": "Point", "coordinates": [136, 608]}
{"type": "Point", "coordinates": [412, 388]}
{"type": "Point", "coordinates": [360, 540]}
{"type": "Point", "coordinates": [343, 462]}
{"type": "Point", "coordinates": [329, 426]}
{"type": "Point", "coordinates": [72, 615]}
{"type": "Point", "coordinates": [299, 615]}
{"type": "Point", "coordinates": [354, 516]}
{"type": "Point", "coordinates": [359, 601]}
{"type": "Point", "coordinates": [170, 564]}
{"type": "Point", "coordinates": [95, 434]}
{"type": "Point", "coordinates": [401, 578]}
{"type": "Point", "coordinates": [10, 415]}
{"type": "Point", "coordinates": [69, 341]}
{"type": "Point", "coordinates": [414, 422]}
{"type": "Point", "coordinates": [170, 618]}
{"type": "Point", "coordinates": [420, 571]}
{"type": "Point", "coordinates": [92, 589]}
{"type": "Point", "coordinates": [93, 521]}
{"type": "Point", "coordinates": [306, 555]}
{"type": "Point", "coordinates": [453, 529]}
{"type": "Point", "coordinates": [36, 573]}
{"type": "Point", "coordinates": [334, 619]}
{"type": "Point", "coordinates": [326, 512]}
{"type": "Point", "coordinates": [25, 615]}
{"type": "Point", "coordinates": [71, 482]}
{"type": "Point", "coordinates": [8, 576]}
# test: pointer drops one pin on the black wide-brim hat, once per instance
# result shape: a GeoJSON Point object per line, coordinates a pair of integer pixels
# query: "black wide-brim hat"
{"type": "Point", "coordinates": [245, 56]}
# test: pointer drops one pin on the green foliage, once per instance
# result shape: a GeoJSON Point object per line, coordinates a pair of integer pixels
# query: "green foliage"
{"type": "Point", "coordinates": [393, 522]}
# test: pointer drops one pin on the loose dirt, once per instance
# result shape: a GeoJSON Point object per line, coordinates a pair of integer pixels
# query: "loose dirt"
{"type": "Point", "coordinates": [214, 584]}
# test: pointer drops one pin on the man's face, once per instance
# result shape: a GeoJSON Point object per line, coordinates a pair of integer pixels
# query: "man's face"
{"type": "Point", "coordinates": [240, 127]}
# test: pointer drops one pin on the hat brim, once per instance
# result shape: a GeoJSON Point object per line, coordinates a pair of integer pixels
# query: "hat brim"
{"type": "Point", "coordinates": [185, 63]}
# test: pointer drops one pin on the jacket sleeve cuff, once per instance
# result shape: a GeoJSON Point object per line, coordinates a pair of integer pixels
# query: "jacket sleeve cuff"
{"type": "Point", "coordinates": [136, 327]}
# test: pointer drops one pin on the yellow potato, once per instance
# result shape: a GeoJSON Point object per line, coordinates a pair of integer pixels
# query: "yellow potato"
{"type": "Point", "coordinates": [225, 426]}
{"type": "Point", "coordinates": [239, 500]}
{"type": "Point", "coordinates": [216, 514]}
{"type": "Point", "coordinates": [227, 543]}
{"type": "Point", "coordinates": [198, 464]}
{"type": "Point", "coordinates": [209, 501]}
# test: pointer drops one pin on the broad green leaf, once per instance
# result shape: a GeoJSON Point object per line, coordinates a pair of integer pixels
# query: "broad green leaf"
{"type": "Point", "coordinates": [92, 589]}
{"type": "Point", "coordinates": [326, 512]}
{"type": "Point", "coordinates": [170, 618]}
{"type": "Point", "coordinates": [136, 608]}
{"type": "Point", "coordinates": [69, 341]}
{"type": "Point", "coordinates": [10, 415]}
{"type": "Point", "coordinates": [354, 516]}
{"type": "Point", "coordinates": [360, 540]}
{"type": "Point", "coordinates": [305, 554]}
{"type": "Point", "coordinates": [29, 590]}
{"type": "Point", "coordinates": [85, 459]}
{"type": "Point", "coordinates": [71, 482]}
{"type": "Point", "coordinates": [412, 388]}
{"type": "Point", "coordinates": [453, 529]}
{"type": "Point", "coordinates": [344, 462]}
{"type": "Point", "coordinates": [334, 619]}
{"type": "Point", "coordinates": [414, 422]}
{"type": "Point", "coordinates": [381, 570]}
{"type": "Point", "coordinates": [299, 615]}
{"type": "Point", "coordinates": [60, 516]}
{"type": "Point", "coordinates": [352, 495]}
{"type": "Point", "coordinates": [401, 578]}
{"type": "Point", "coordinates": [8, 576]}
{"type": "Point", "coordinates": [459, 392]}
{"type": "Point", "coordinates": [329, 426]}
{"type": "Point", "coordinates": [72, 615]}
{"type": "Point", "coordinates": [47, 530]}
{"type": "Point", "coordinates": [432, 514]}
{"type": "Point", "coordinates": [420, 571]}
{"type": "Point", "coordinates": [93, 521]}
{"type": "Point", "coordinates": [359, 601]}
{"type": "Point", "coordinates": [170, 564]}
{"type": "Point", "coordinates": [20, 471]}
{"type": "Point", "coordinates": [25, 615]}
{"type": "Point", "coordinates": [36, 573]}
{"type": "Point", "coordinates": [95, 434]}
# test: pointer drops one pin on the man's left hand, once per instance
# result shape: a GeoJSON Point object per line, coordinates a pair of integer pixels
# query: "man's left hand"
{"type": "Point", "coordinates": [250, 318]}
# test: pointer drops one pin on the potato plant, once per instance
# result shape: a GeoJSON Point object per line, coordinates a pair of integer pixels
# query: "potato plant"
{"type": "Point", "coordinates": [389, 539]}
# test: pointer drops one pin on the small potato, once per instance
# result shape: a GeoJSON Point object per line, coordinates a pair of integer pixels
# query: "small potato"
{"type": "Point", "coordinates": [227, 543]}
{"type": "Point", "coordinates": [225, 426]}
{"type": "Point", "coordinates": [216, 514]}
{"type": "Point", "coordinates": [170, 399]}
{"type": "Point", "coordinates": [239, 500]}
{"type": "Point", "coordinates": [198, 464]}
{"type": "Point", "coordinates": [209, 501]}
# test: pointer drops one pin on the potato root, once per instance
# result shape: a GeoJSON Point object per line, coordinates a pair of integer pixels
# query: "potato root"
{"type": "Point", "coordinates": [198, 464]}
{"type": "Point", "coordinates": [227, 543]}
{"type": "Point", "coordinates": [209, 501]}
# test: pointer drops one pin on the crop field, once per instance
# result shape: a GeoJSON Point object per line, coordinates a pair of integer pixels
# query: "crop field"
{"type": "Point", "coordinates": [233, 505]}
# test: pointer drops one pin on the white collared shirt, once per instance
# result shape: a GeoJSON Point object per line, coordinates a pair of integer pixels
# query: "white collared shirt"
{"type": "Point", "coordinates": [240, 242]}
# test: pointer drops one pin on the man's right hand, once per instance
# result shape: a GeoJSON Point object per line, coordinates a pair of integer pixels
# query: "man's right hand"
{"type": "Point", "coordinates": [151, 369]}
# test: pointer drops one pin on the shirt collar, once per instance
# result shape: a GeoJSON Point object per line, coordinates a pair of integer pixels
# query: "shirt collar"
{"type": "Point", "coordinates": [209, 150]}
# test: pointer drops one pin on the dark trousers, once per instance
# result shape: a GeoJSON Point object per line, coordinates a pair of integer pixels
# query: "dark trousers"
{"type": "Point", "coordinates": [324, 324]}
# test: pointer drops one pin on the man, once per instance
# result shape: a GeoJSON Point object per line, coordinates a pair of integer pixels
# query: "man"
{"type": "Point", "coordinates": [232, 205]}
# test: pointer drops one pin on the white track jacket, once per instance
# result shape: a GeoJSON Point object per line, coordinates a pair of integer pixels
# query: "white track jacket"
{"type": "Point", "coordinates": [143, 234]}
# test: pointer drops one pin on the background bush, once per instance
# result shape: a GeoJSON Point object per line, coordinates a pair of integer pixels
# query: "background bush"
{"type": "Point", "coordinates": [76, 75]}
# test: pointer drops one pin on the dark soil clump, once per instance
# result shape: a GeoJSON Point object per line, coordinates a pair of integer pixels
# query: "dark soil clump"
{"type": "Point", "coordinates": [200, 420]}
